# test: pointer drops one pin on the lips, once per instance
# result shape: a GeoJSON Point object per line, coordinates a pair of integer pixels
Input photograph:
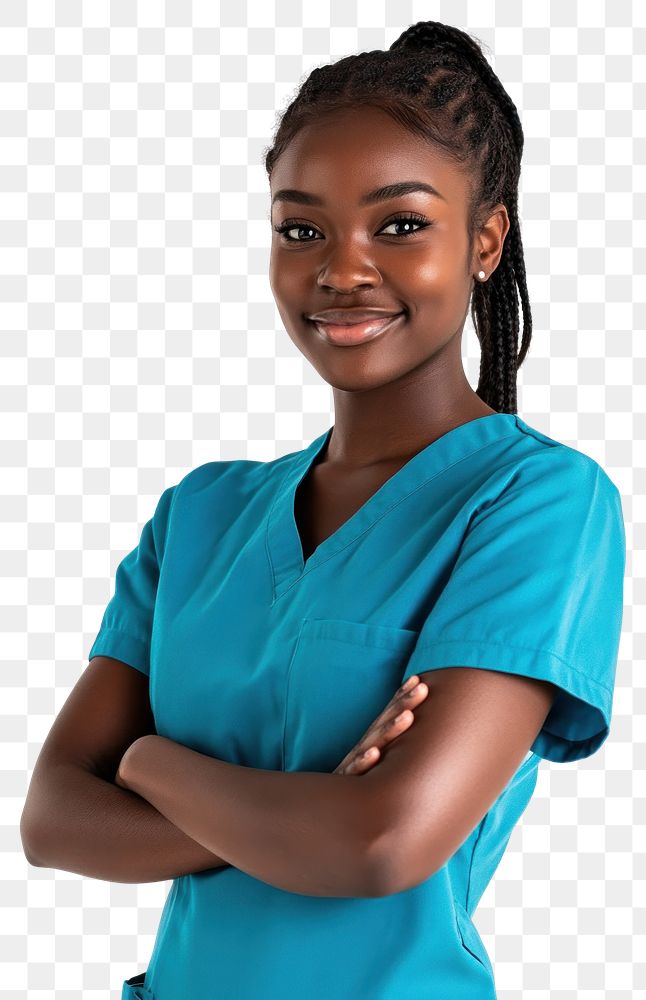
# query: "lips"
{"type": "Point", "coordinates": [351, 334]}
{"type": "Point", "coordinates": [350, 317]}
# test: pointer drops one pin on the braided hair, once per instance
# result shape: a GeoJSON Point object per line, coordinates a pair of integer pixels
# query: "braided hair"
{"type": "Point", "coordinates": [435, 81]}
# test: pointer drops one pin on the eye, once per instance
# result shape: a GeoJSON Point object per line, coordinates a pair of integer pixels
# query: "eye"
{"type": "Point", "coordinates": [411, 218]}
{"type": "Point", "coordinates": [285, 227]}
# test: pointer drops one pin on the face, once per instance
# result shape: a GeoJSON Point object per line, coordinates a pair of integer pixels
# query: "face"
{"type": "Point", "coordinates": [407, 254]}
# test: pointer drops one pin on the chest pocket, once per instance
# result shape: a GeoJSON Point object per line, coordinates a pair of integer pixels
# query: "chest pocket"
{"type": "Point", "coordinates": [341, 676]}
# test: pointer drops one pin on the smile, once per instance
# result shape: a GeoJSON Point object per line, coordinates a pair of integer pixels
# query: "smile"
{"type": "Point", "coordinates": [358, 333]}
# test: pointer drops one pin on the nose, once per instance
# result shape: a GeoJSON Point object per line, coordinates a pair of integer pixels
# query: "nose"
{"type": "Point", "coordinates": [347, 268]}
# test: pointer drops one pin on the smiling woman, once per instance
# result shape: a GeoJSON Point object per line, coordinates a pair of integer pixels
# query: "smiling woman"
{"type": "Point", "coordinates": [386, 225]}
{"type": "Point", "coordinates": [275, 607]}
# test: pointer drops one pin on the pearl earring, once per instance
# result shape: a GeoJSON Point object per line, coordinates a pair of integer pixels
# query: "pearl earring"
{"type": "Point", "coordinates": [481, 275]}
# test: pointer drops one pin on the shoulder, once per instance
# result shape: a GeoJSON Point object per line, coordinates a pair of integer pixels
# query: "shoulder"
{"type": "Point", "coordinates": [216, 486]}
{"type": "Point", "coordinates": [556, 471]}
{"type": "Point", "coordinates": [541, 488]}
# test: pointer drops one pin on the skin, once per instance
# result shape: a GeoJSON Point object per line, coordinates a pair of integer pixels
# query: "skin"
{"type": "Point", "coordinates": [81, 815]}
{"type": "Point", "coordinates": [395, 719]}
{"type": "Point", "coordinates": [414, 374]}
{"type": "Point", "coordinates": [313, 833]}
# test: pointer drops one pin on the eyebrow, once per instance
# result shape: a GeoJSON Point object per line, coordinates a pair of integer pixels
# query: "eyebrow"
{"type": "Point", "coordinates": [379, 194]}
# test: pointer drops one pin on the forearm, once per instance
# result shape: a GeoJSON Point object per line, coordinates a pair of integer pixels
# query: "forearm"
{"type": "Point", "coordinates": [95, 828]}
{"type": "Point", "coordinates": [305, 832]}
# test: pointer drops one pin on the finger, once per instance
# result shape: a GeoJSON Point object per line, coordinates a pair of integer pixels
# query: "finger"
{"type": "Point", "coordinates": [414, 693]}
{"type": "Point", "coordinates": [385, 727]}
{"type": "Point", "coordinates": [403, 692]}
{"type": "Point", "coordinates": [408, 694]}
{"type": "Point", "coordinates": [400, 694]}
{"type": "Point", "coordinates": [412, 696]}
{"type": "Point", "coordinates": [364, 761]}
{"type": "Point", "coordinates": [409, 703]}
{"type": "Point", "coordinates": [389, 724]}
{"type": "Point", "coordinates": [396, 724]}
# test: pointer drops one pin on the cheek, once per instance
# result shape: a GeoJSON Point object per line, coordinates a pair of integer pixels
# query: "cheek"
{"type": "Point", "coordinates": [286, 283]}
{"type": "Point", "coordinates": [275, 275]}
{"type": "Point", "coordinates": [279, 273]}
{"type": "Point", "coordinates": [280, 281]}
{"type": "Point", "coordinates": [438, 290]}
{"type": "Point", "coordinates": [432, 275]}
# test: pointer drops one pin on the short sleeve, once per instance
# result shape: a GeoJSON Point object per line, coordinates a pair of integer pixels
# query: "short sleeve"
{"type": "Point", "coordinates": [126, 627]}
{"type": "Point", "coordinates": [537, 589]}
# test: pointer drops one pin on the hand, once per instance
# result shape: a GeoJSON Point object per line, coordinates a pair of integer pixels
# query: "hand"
{"type": "Point", "coordinates": [120, 777]}
{"type": "Point", "coordinates": [385, 728]}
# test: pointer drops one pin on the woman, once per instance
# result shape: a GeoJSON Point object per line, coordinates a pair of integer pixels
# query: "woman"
{"type": "Point", "coordinates": [272, 609]}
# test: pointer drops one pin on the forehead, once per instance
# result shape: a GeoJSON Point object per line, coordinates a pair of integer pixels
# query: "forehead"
{"type": "Point", "coordinates": [350, 153]}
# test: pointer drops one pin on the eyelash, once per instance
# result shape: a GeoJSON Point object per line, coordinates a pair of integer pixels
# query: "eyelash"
{"type": "Point", "coordinates": [409, 217]}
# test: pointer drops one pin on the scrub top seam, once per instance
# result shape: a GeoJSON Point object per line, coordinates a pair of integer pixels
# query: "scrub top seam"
{"type": "Point", "coordinates": [549, 442]}
{"type": "Point", "coordinates": [538, 435]}
{"type": "Point", "coordinates": [559, 736]}
{"type": "Point", "coordinates": [472, 858]}
{"type": "Point", "coordinates": [392, 506]}
{"type": "Point", "coordinates": [481, 827]}
{"type": "Point", "coordinates": [175, 489]}
{"type": "Point", "coordinates": [431, 644]}
{"type": "Point", "coordinates": [277, 496]}
{"type": "Point", "coordinates": [144, 638]}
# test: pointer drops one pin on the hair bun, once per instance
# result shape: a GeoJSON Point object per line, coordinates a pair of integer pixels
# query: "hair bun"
{"type": "Point", "coordinates": [444, 39]}
{"type": "Point", "coordinates": [426, 35]}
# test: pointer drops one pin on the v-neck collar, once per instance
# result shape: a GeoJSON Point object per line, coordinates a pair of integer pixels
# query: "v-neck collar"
{"type": "Point", "coordinates": [283, 540]}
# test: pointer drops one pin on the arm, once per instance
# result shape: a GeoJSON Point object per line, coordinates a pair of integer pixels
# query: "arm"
{"type": "Point", "coordinates": [305, 832]}
{"type": "Point", "coordinates": [469, 739]}
{"type": "Point", "coordinates": [74, 817]}
{"type": "Point", "coordinates": [97, 829]}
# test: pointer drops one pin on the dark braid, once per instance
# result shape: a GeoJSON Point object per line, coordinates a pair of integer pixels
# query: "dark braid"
{"type": "Point", "coordinates": [435, 81]}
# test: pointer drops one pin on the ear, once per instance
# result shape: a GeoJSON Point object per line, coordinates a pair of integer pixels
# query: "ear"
{"type": "Point", "coordinates": [489, 241]}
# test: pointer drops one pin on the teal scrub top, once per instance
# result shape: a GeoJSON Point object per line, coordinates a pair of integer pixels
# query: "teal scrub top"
{"type": "Point", "coordinates": [493, 547]}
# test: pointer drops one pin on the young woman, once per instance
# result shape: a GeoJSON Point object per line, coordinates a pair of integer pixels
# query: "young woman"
{"type": "Point", "coordinates": [272, 609]}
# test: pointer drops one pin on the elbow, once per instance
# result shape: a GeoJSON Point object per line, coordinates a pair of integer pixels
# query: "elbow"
{"type": "Point", "coordinates": [28, 840]}
{"type": "Point", "coordinates": [380, 863]}
{"type": "Point", "coordinates": [381, 859]}
{"type": "Point", "coordinates": [387, 878]}
{"type": "Point", "coordinates": [394, 867]}
{"type": "Point", "coordinates": [369, 875]}
{"type": "Point", "coordinates": [32, 859]}
{"type": "Point", "coordinates": [362, 869]}
{"type": "Point", "coordinates": [383, 874]}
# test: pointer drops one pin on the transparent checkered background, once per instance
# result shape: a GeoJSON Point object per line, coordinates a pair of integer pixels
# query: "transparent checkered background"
{"type": "Point", "coordinates": [140, 338]}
